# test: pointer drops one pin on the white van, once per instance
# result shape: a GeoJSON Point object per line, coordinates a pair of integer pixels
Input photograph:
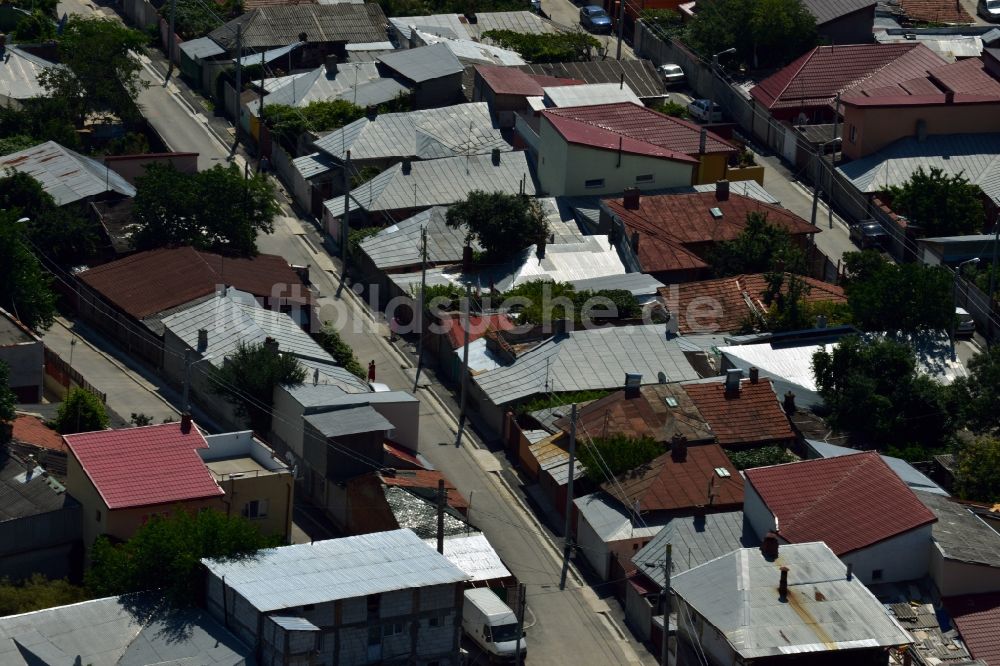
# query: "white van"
{"type": "Point", "coordinates": [966, 325]}
{"type": "Point", "coordinates": [491, 624]}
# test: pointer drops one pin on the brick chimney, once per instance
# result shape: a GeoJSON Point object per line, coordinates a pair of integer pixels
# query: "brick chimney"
{"type": "Point", "coordinates": [754, 375]}
{"type": "Point", "coordinates": [678, 447]}
{"type": "Point", "coordinates": [407, 165]}
{"type": "Point", "coordinates": [789, 403]}
{"type": "Point", "coordinates": [330, 63]}
{"type": "Point", "coordinates": [202, 340]}
{"type": "Point", "coordinates": [271, 344]}
{"type": "Point", "coordinates": [769, 546]}
{"type": "Point", "coordinates": [631, 198]}
{"type": "Point", "coordinates": [186, 422]}
{"type": "Point", "coordinates": [783, 584]}
{"type": "Point", "coordinates": [722, 190]}
{"type": "Point", "coordinates": [733, 378]}
{"type": "Point", "coordinates": [495, 156]}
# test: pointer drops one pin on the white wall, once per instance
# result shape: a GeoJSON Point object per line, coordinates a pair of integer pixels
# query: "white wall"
{"type": "Point", "coordinates": [405, 415]}
{"type": "Point", "coordinates": [240, 444]}
{"type": "Point", "coordinates": [287, 424]}
{"type": "Point", "coordinates": [953, 577]}
{"type": "Point", "coordinates": [754, 510]}
{"type": "Point", "coordinates": [593, 547]}
{"type": "Point", "coordinates": [638, 613]}
{"type": "Point", "coordinates": [712, 641]}
{"type": "Point", "coordinates": [904, 557]}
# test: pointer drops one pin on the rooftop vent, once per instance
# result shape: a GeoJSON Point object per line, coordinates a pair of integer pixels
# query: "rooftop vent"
{"type": "Point", "coordinates": [671, 401]}
{"type": "Point", "coordinates": [716, 212]}
{"type": "Point", "coordinates": [722, 472]}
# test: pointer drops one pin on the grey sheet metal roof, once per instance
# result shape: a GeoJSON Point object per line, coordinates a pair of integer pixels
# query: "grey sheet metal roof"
{"type": "Point", "coordinates": [737, 593]}
{"type": "Point", "coordinates": [19, 72]}
{"type": "Point", "coordinates": [349, 421]}
{"type": "Point", "coordinates": [292, 623]}
{"type": "Point", "coordinates": [960, 534]}
{"type": "Point", "coordinates": [439, 182]}
{"type": "Point", "coordinates": [831, 10]}
{"type": "Point", "coordinates": [316, 85]}
{"type": "Point", "coordinates": [22, 496]}
{"type": "Point", "coordinates": [695, 540]}
{"type": "Point", "coordinates": [450, 131]}
{"type": "Point", "coordinates": [589, 94]}
{"type": "Point", "coordinates": [314, 164]}
{"type": "Point", "coordinates": [278, 25]}
{"type": "Point", "coordinates": [610, 520]}
{"type": "Point", "coordinates": [454, 26]}
{"type": "Point", "coordinates": [203, 47]}
{"type": "Point", "coordinates": [910, 475]}
{"type": "Point", "coordinates": [324, 571]}
{"type": "Point", "coordinates": [638, 284]}
{"type": "Point", "coordinates": [127, 631]}
{"type": "Point", "coordinates": [268, 56]}
{"type": "Point", "coordinates": [640, 75]}
{"type": "Point", "coordinates": [587, 360]}
{"type": "Point", "coordinates": [373, 93]}
{"type": "Point", "coordinates": [66, 175]}
{"type": "Point", "coordinates": [320, 398]}
{"type": "Point", "coordinates": [424, 63]}
{"type": "Point", "coordinates": [473, 554]}
{"type": "Point", "coordinates": [976, 156]}
{"type": "Point", "coordinates": [524, 22]}
{"type": "Point", "coordinates": [311, 395]}
{"type": "Point", "coordinates": [399, 245]}
{"type": "Point", "coordinates": [470, 52]}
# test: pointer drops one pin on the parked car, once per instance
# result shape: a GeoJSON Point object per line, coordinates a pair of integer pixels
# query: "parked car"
{"type": "Point", "coordinates": [966, 325]}
{"type": "Point", "coordinates": [989, 10]}
{"type": "Point", "coordinates": [869, 235]}
{"type": "Point", "coordinates": [491, 624]}
{"type": "Point", "coordinates": [671, 74]}
{"type": "Point", "coordinates": [595, 19]}
{"type": "Point", "coordinates": [699, 110]}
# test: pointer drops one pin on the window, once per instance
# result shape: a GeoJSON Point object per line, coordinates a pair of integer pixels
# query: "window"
{"type": "Point", "coordinates": [434, 622]}
{"type": "Point", "coordinates": [97, 516]}
{"type": "Point", "coordinates": [594, 184]}
{"type": "Point", "coordinates": [853, 137]}
{"type": "Point", "coordinates": [644, 178]}
{"type": "Point", "coordinates": [255, 509]}
{"type": "Point", "coordinates": [876, 574]}
{"type": "Point", "coordinates": [392, 629]}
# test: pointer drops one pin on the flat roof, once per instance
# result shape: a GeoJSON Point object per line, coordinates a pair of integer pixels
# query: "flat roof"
{"type": "Point", "coordinates": [226, 468]}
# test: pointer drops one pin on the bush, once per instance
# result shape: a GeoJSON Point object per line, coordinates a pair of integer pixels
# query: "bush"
{"type": "Point", "coordinates": [341, 352]}
{"type": "Point", "coordinates": [36, 593]}
{"type": "Point", "coordinates": [81, 411]}
{"type": "Point", "coordinates": [562, 47]}
{"type": "Point", "coordinates": [673, 109]}
{"type": "Point", "coordinates": [559, 399]}
{"type": "Point", "coordinates": [764, 456]}
{"type": "Point", "coordinates": [614, 455]}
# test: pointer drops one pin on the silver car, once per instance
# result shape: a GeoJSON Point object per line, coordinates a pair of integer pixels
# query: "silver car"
{"type": "Point", "coordinates": [672, 74]}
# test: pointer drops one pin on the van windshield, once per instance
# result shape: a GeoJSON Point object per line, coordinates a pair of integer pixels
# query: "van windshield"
{"type": "Point", "coordinates": [992, 4]}
{"type": "Point", "coordinates": [504, 632]}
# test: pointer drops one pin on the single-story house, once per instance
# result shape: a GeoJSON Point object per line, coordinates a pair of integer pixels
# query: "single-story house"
{"type": "Point", "coordinates": [433, 73]}
{"type": "Point", "coordinates": [66, 175]}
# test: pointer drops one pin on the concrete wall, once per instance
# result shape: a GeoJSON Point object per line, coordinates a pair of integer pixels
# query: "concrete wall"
{"type": "Point", "coordinates": [26, 361]}
{"type": "Point", "coordinates": [694, 630]}
{"type": "Point", "coordinates": [594, 549]}
{"type": "Point", "coordinates": [94, 512]}
{"type": "Point", "coordinates": [756, 512]}
{"type": "Point", "coordinates": [443, 91]}
{"type": "Point", "coordinates": [854, 28]}
{"type": "Point", "coordinates": [903, 557]}
{"type": "Point", "coordinates": [277, 489]}
{"type": "Point", "coordinates": [405, 415]}
{"type": "Point", "coordinates": [47, 543]}
{"type": "Point", "coordinates": [288, 424]}
{"type": "Point", "coordinates": [131, 167]}
{"type": "Point", "coordinates": [953, 577]}
{"type": "Point", "coordinates": [638, 613]}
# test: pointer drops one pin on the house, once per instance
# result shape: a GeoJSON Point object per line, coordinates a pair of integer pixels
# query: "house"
{"type": "Point", "coordinates": [67, 176]}
{"type": "Point", "coordinates": [976, 616]}
{"type": "Point", "coordinates": [671, 236]}
{"type": "Point", "coordinates": [585, 94]}
{"type": "Point", "coordinates": [394, 499]}
{"type": "Point", "coordinates": [469, 52]}
{"type": "Point", "coordinates": [39, 523]}
{"type": "Point", "coordinates": [124, 477]}
{"type": "Point", "coordinates": [734, 304]}
{"type": "Point", "coordinates": [433, 73]}
{"type": "Point", "coordinates": [507, 90]}
{"type": "Point", "coordinates": [957, 98]}
{"type": "Point", "coordinates": [805, 90]}
{"type": "Point", "coordinates": [772, 604]}
{"type": "Point", "coordinates": [23, 352]}
{"type": "Point", "coordinates": [475, 555]}
{"type": "Point", "coordinates": [639, 75]}
{"type": "Point", "coordinates": [30, 436]}
{"type": "Point", "coordinates": [965, 551]}
{"type": "Point", "coordinates": [19, 76]}
{"type": "Point", "coordinates": [910, 475]}
{"type": "Point", "coordinates": [831, 500]}
{"type": "Point", "coordinates": [130, 630]}
{"type": "Point", "coordinates": [742, 413]}
{"type": "Point", "coordinates": [393, 597]}
{"type": "Point", "coordinates": [843, 21]}
{"type": "Point", "coordinates": [606, 148]}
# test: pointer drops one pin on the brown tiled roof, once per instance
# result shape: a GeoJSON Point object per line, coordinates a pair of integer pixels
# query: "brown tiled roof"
{"type": "Point", "coordinates": [32, 430]}
{"type": "Point", "coordinates": [732, 295]}
{"type": "Point", "coordinates": [935, 11]}
{"type": "Point", "coordinates": [425, 480]}
{"type": "Point", "coordinates": [647, 413]}
{"type": "Point", "coordinates": [666, 484]}
{"type": "Point", "coordinates": [977, 617]}
{"type": "Point", "coordinates": [149, 282]}
{"type": "Point", "coordinates": [751, 417]}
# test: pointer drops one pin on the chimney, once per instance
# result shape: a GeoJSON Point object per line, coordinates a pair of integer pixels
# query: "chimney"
{"type": "Point", "coordinates": [921, 130]}
{"type": "Point", "coordinates": [466, 258]}
{"type": "Point", "coordinates": [754, 375]}
{"type": "Point", "coordinates": [789, 403]}
{"type": "Point", "coordinates": [633, 381]}
{"type": "Point", "coordinates": [702, 140]}
{"type": "Point", "coordinates": [631, 198]}
{"type": "Point", "coordinates": [733, 378]}
{"type": "Point", "coordinates": [330, 62]}
{"type": "Point", "coordinates": [850, 571]}
{"type": "Point", "coordinates": [949, 97]}
{"type": "Point", "coordinates": [412, 41]}
{"type": "Point", "coordinates": [495, 155]}
{"type": "Point", "coordinates": [678, 447]}
{"type": "Point", "coordinates": [202, 340]}
{"type": "Point", "coordinates": [769, 546]}
{"type": "Point", "coordinates": [371, 112]}
{"type": "Point", "coordinates": [271, 344]}
{"type": "Point", "coordinates": [635, 242]}
{"type": "Point", "coordinates": [821, 321]}
{"type": "Point", "coordinates": [407, 164]}
{"type": "Point", "coordinates": [722, 190]}
{"type": "Point", "coordinates": [783, 584]}
{"type": "Point", "coordinates": [540, 248]}
{"type": "Point", "coordinates": [186, 422]}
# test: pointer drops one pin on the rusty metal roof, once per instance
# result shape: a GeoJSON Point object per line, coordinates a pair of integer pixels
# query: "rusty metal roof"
{"type": "Point", "coordinates": [66, 175]}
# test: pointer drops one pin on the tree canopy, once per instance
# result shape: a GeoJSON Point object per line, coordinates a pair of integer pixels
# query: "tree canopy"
{"type": "Point", "coordinates": [36, 593]}
{"type": "Point", "coordinates": [288, 123]}
{"type": "Point", "coordinates": [760, 248]}
{"type": "Point", "coordinates": [502, 224]}
{"type": "Point", "coordinates": [248, 377]}
{"type": "Point", "coordinates": [561, 47]}
{"type": "Point", "coordinates": [38, 120]}
{"type": "Point", "coordinates": [7, 397]}
{"type": "Point", "coordinates": [616, 454]}
{"type": "Point", "coordinates": [81, 411]}
{"type": "Point", "coordinates": [977, 470]}
{"type": "Point", "coordinates": [976, 394]}
{"type": "Point", "coordinates": [216, 210]}
{"type": "Point", "coordinates": [27, 288]}
{"type": "Point", "coordinates": [941, 205]}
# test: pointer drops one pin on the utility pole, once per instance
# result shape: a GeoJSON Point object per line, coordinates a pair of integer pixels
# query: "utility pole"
{"type": "Point", "coordinates": [420, 303]}
{"type": "Point", "coordinates": [345, 226]}
{"type": "Point", "coordinates": [239, 85]}
{"type": "Point", "coordinates": [621, 27]}
{"type": "Point", "coordinates": [816, 176]}
{"type": "Point", "coordinates": [665, 604]}
{"type": "Point", "coordinates": [567, 538]}
{"type": "Point", "coordinates": [260, 112]}
{"type": "Point", "coordinates": [993, 269]}
{"type": "Point", "coordinates": [465, 351]}
{"type": "Point", "coordinates": [522, 602]}
{"type": "Point", "coordinates": [441, 499]}
{"type": "Point", "coordinates": [833, 140]}
{"type": "Point", "coordinates": [172, 39]}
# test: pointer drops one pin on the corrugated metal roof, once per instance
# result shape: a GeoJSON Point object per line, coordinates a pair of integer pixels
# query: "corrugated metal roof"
{"type": "Point", "coordinates": [273, 26]}
{"type": "Point", "coordinates": [470, 52]}
{"type": "Point", "coordinates": [314, 164]}
{"type": "Point", "coordinates": [22, 496]}
{"type": "Point", "coordinates": [349, 421]}
{"type": "Point", "coordinates": [324, 571]}
{"type": "Point", "coordinates": [830, 10]}
{"type": "Point", "coordinates": [373, 93]}
{"type": "Point", "coordinates": [474, 555]}
{"type": "Point", "coordinates": [737, 593]}
{"type": "Point", "coordinates": [317, 85]}
{"type": "Point", "coordinates": [454, 26]}
{"type": "Point", "coordinates": [523, 22]}
{"type": "Point", "coordinates": [960, 534]}
{"type": "Point", "coordinates": [203, 47]}
{"type": "Point", "coordinates": [910, 475]}
{"type": "Point", "coordinates": [66, 175]}
{"type": "Point", "coordinates": [638, 284]}
{"type": "Point", "coordinates": [400, 244]}
{"type": "Point", "coordinates": [424, 63]}
{"type": "Point", "coordinates": [589, 94]}
{"type": "Point", "coordinates": [640, 75]}
{"type": "Point", "coordinates": [610, 520]}
{"type": "Point", "coordinates": [291, 623]}
{"type": "Point", "coordinates": [268, 56]}
{"type": "Point", "coordinates": [19, 72]}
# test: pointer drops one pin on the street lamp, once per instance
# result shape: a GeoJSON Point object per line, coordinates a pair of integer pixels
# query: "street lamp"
{"type": "Point", "coordinates": [715, 57]}
{"type": "Point", "coordinates": [188, 364]}
{"type": "Point", "coordinates": [816, 155]}
{"type": "Point", "coordinates": [954, 301]}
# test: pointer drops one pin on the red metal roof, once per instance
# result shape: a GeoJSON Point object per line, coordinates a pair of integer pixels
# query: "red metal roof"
{"type": "Point", "coordinates": [478, 327]}
{"type": "Point", "coordinates": [751, 417]}
{"type": "Point", "coordinates": [427, 480]}
{"type": "Point", "coordinates": [513, 81]}
{"type": "Point", "coordinates": [157, 464]}
{"type": "Point", "coordinates": [32, 430]}
{"type": "Point", "coordinates": [977, 617]}
{"type": "Point", "coordinates": [635, 129]}
{"type": "Point", "coordinates": [849, 502]}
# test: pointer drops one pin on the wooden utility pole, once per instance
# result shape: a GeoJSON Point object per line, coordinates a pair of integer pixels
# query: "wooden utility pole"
{"type": "Point", "coordinates": [239, 86]}
{"type": "Point", "coordinates": [442, 498]}
{"type": "Point", "coordinates": [465, 350]}
{"type": "Point", "coordinates": [621, 27]}
{"type": "Point", "coordinates": [172, 38]}
{"type": "Point", "coordinates": [421, 304]}
{"type": "Point", "coordinates": [345, 225]}
{"type": "Point", "coordinates": [665, 604]}
{"type": "Point", "coordinates": [567, 530]}
{"type": "Point", "coordinates": [522, 603]}
{"type": "Point", "coordinates": [833, 141]}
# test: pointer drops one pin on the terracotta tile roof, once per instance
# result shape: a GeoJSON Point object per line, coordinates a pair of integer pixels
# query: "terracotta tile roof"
{"type": "Point", "coordinates": [977, 617]}
{"type": "Point", "coordinates": [935, 11]}
{"type": "Point", "coordinates": [647, 413]}
{"type": "Point", "coordinates": [157, 464]}
{"type": "Point", "coordinates": [668, 485]}
{"type": "Point", "coordinates": [512, 81]}
{"type": "Point", "coordinates": [670, 224]}
{"type": "Point", "coordinates": [731, 295]}
{"type": "Point", "coordinates": [478, 327]}
{"type": "Point", "coordinates": [752, 417]}
{"type": "Point", "coordinates": [818, 75]}
{"type": "Point", "coordinates": [635, 128]}
{"type": "Point", "coordinates": [967, 80]}
{"type": "Point", "coordinates": [423, 479]}
{"type": "Point", "coordinates": [32, 430]}
{"type": "Point", "coordinates": [832, 500]}
{"type": "Point", "coordinates": [150, 282]}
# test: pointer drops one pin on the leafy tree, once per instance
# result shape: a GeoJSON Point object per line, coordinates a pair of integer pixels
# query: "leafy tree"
{"type": "Point", "coordinates": [216, 210]}
{"type": "Point", "coordinates": [248, 377]}
{"type": "Point", "coordinates": [26, 287]}
{"type": "Point", "coordinates": [616, 454]}
{"type": "Point", "coordinates": [36, 593]}
{"type": "Point", "coordinates": [81, 411]}
{"type": "Point", "coordinates": [363, 175]}
{"type": "Point", "coordinates": [193, 19]}
{"type": "Point", "coordinates": [559, 399]}
{"type": "Point", "coordinates": [897, 298]}
{"type": "Point", "coordinates": [39, 119]}
{"type": "Point", "coordinates": [760, 248]}
{"type": "Point", "coordinates": [673, 109]}
{"type": "Point", "coordinates": [977, 472]}
{"type": "Point", "coordinates": [101, 73]}
{"type": "Point", "coordinates": [764, 456]}
{"type": "Point", "coordinates": [542, 301]}
{"type": "Point", "coordinates": [502, 224]}
{"type": "Point", "coordinates": [166, 553]}
{"type": "Point", "coordinates": [561, 47]}
{"type": "Point", "coordinates": [357, 236]}
{"type": "Point", "coordinates": [17, 143]}
{"type": "Point", "coordinates": [7, 397]}
{"type": "Point", "coordinates": [330, 340]}
{"type": "Point", "coordinates": [977, 393]}
{"type": "Point", "coordinates": [288, 123]}
{"type": "Point", "coordinates": [36, 27]}
{"type": "Point", "coordinates": [941, 205]}
{"type": "Point", "coordinates": [663, 21]}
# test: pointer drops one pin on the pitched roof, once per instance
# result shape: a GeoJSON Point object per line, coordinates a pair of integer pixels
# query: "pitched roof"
{"type": "Point", "coordinates": [830, 10]}
{"type": "Point", "coordinates": [977, 617]}
{"type": "Point", "coordinates": [66, 175]}
{"type": "Point", "coordinates": [667, 484]}
{"type": "Point", "coordinates": [669, 224]}
{"type": "Point", "coordinates": [962, 82]}
{"type": "Point", "coordinates": [960, 534]}
{"type": "Point", "coordinates": [514, 81]}
{"type": "Point", "coordinates": [474, 555]}
{"type": "Point", "coordinates": [424, 63]}
{"type": "Point", "coordinates": [156, 464]}
{"type": "Point", "coordinates": [936, 11]}
{"type": "Point", "coordinates": [282, 25]}
{"type": "Point", "coordinates": [640, 75]}
{"type": "Point", "coordinates": [830, 500]}
{"type": "Point", "coordinates": [19, 72]}
{"type": "Point", "coordinates": [479, 326]}
{"type": "Point", "coordinates": [424, 480]}
{"type": "Point", "coordinates": [751, 417]}
{"type": "Point", "coordinates": [634, 129]}
{"type": "Point", "coordinates": [349, 421]}
{"type": "Point", "coordinates": [911, 476]}
{"type": "Point", "coordinates": [23, 495]}
{"type": "Point", "coordinates": [29, 429]}
{"type": "Point", "coordinates": [157, 280]}
{"type": "Point", "coordinates": [815, 78]}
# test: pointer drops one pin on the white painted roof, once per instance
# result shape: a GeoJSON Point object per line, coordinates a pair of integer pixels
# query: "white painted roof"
{"type": "Point", "coordinates": [473, 554]}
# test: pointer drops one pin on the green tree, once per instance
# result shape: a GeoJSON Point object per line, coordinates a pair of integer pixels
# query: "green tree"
{"type": "Point", "coordinates": [941, 205]}
{"type": "Point", "coordinates": [760, 248]}
{"type": "Point", "coordinates": [897, 298]}
{"type": "Point", "coordinates": [193, 19]}
{"type": "Point", "coordinates": [561, 47]}
{"type": "Point", "coordinates": [7, 397]}
{"type": "Point", "coordinates": [36, 593]}
{"type": "Point", "coordinates": [288, 123]}
{"type": "Point", "coordinates": [976, 394]}
{"type": "Point", "coordinates": [38, 120]}
{"type": "Point", "coordinates": [248, 377]}
{"type": "Point", "coordinates": [27, 289]}
{"type": "Point", "coordinates": [502, 224]}
{"type": "Point", "coordinates": [166, 553]}
{"type": "Point", "coordinates": [216, 210]}
{"type": "Point", "coordinates": [764, 456]}
{"type": "Point", "coordinates": [673, 109]}
{"type": "Point", "coordinates": [329, 339]}
{"type": "Point", "coordinates": [616, 454]}
{"type": "Point", "coordinates": [37, 27]}
{"type": "Point", "coordinates": [977, 472]}
{"type": "Point", "coordinates": [81, 411]}
{"type": "Point", "coordinates": [101, 73]}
